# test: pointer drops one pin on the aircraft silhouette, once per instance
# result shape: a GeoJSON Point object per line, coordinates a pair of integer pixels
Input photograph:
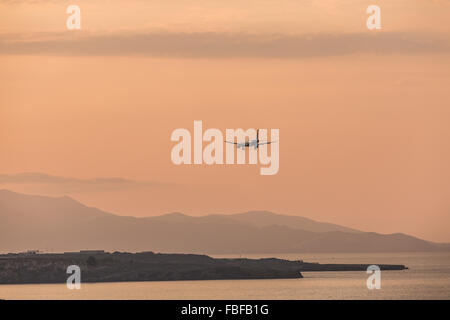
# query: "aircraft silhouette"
{"type": "Point", "coordinates": [252, 143]}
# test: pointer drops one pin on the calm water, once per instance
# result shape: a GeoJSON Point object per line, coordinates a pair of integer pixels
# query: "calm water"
{"type": "Point", "coordinates": [427, 278]}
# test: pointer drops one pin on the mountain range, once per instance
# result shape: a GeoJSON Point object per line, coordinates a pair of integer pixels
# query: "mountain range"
{"type": "Point", "coordinates": [64, 224]}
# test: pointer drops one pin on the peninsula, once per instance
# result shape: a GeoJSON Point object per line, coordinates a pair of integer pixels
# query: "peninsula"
{"type": "Point", "coordinates": [100, 266]}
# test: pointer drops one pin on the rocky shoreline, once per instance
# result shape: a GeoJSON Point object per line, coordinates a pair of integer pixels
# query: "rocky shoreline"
{"type": "Point", "coordinates": [149, 266]}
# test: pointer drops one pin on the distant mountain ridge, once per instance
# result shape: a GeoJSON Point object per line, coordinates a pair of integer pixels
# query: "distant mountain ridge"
{"type": "Point", "coordinates": [64, 224]}
{"type": "Point", "coordinates": [259, 219]}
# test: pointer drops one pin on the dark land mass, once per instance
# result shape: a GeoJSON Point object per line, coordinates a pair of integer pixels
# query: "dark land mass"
{"type": "Point", "coordinates": [149, 266]}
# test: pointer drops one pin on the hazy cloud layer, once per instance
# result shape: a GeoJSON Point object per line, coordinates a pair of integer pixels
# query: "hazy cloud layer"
{"type": "Point", "coordinates": [222, 45]}
{"type": "Point", "coordinates": [69, 185]}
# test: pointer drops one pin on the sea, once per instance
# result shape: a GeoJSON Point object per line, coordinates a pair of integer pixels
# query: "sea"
{"type": "Point", "coordinates": [428, 277]}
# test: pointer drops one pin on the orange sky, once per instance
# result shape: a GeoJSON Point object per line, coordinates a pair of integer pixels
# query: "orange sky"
{"type": "Point", "coordinates": [363, 119]}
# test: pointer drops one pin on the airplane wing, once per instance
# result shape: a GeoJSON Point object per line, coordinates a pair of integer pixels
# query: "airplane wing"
{"type": "Point", "coordinates": [231, 142]}
{"type": "Point", "coordinates": [266, 142]}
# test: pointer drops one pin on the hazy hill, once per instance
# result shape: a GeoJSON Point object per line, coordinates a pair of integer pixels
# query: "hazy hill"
{"type": "Point", "coordinates": [258, 219]}
{"type": "Point", "coordinates": [63, 224]}
{"type": "Point", "coordinates": [266, 218]}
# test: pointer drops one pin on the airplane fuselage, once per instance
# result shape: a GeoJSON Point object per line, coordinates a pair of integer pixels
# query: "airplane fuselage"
{"type": "Point", "coordinates": [247, 144]}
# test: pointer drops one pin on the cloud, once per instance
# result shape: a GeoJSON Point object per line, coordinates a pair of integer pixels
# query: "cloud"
{"type": "Point", "coordinates": [73, 185]}
{"type": "Point", "coordinates": [224, 45]}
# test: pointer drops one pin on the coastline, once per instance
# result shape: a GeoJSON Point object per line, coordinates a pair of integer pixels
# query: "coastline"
{"type": "Point", "coordinates": [98, 266]}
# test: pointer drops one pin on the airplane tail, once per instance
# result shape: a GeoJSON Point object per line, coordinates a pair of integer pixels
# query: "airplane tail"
{"type": "Point", "coordinates": [257, 139]}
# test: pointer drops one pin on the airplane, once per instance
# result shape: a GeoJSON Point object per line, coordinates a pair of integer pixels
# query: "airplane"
{"type": "Point", "coordinates": [251, 143]}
